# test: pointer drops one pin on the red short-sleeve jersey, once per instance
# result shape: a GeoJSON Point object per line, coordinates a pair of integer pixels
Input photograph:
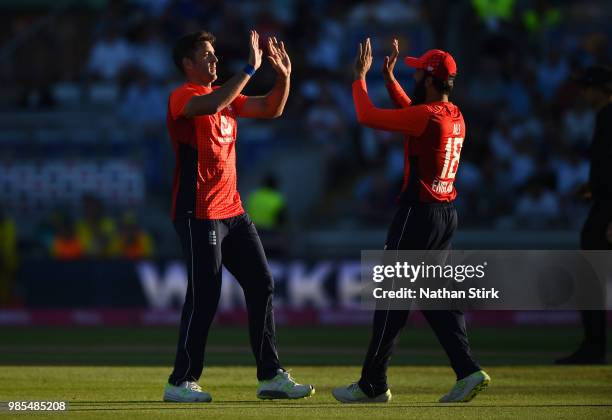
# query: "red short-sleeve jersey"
{"type": "Point", "coordinates": [205, 180]}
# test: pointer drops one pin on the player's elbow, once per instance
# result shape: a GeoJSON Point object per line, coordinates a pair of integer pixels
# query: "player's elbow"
{"type": "Point", "coordinates": [361, 118]}
{"type": "Point", "coordinates": [359, 113]}
{"type": "Point", "coordinates": [271, 113]}
{"type": "Point", "coordinates": [274, 109]}
{"type": "Point", "coordinates": [188, 114]}
{"type": "Point", "coordinates": [214, 108]}
{"type": "Point", "coordinates": [276, 114]}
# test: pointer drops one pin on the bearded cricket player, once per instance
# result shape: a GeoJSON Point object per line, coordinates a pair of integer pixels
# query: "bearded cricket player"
{"type": "Point", "coordinates": [434, 131]}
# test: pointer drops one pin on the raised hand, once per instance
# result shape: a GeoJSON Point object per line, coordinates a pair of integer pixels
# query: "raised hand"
{"type": "Point", "coordinates": [278, 57]}
{"type": "Point", "coordinates": [363, 62]}
{"type": "Point", "coordinates": [390, 60]}
{"type": "Point", "coordinates": [255, 53]}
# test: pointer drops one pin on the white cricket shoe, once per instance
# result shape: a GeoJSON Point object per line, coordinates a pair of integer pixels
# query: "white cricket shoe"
{"type": "Point", "coordinates": [186, 392]}
{"type": "Point", "coordinates": [282, 386]}
{"type": "Point", "coordinates": [353, 394]}
{"type": "Point", "coordinates": [467, 388]}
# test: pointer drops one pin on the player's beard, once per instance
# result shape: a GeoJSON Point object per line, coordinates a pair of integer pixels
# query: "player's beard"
{"type": "Point", "coordinates": [419, 95]}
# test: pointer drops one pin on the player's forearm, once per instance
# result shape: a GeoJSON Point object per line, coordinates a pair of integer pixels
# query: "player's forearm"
{"type": "Point", "coordinates": [363, 106]}
{"type": "Point", "coordinates": [217, 99]}
{"type": "Point", "coordinates": [358, 101]}
{"type": "Point", "coordinates": [406, 120]}
{"type": "Point", "coordinates": [397, 94]}
{"type": "Point", "coordinates": [276, 99]}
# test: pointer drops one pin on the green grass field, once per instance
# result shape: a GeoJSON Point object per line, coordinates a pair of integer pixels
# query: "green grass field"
{"type": "Point", "coordinates": [119, 373]}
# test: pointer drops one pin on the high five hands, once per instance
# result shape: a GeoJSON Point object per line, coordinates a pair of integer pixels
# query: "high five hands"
{"type": "Point", "coordinates": [389, 63]}
{"type": "Point", "coordinates": [363, 61]}
{"type": "Point", "coordinates": [255, 53]}
{"type": "Point", "coordinates": [278, 57]}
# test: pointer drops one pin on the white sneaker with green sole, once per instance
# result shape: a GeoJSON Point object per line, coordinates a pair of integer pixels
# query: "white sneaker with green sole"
{"type": "Point", "coordinates": [353, 394]}
{"type": "Point", "coordinates": [282, 386]}
{"type": "Point", "coordinates": [467, 388]}
{"type": "Point", "coordinates": [186, 392]}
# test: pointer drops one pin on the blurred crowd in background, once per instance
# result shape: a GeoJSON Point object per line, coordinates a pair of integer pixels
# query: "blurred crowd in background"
{"type": "Point", "coordinates": [86, 165]}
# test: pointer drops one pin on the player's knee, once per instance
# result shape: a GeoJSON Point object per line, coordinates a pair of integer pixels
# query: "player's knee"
{"type": "Point", "coordinates": [266, 285]}
{"type": "Point", "coordinates": [261, 285]}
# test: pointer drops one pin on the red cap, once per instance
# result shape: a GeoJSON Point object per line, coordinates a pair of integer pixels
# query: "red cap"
{"type": "Point", "coordinates": [437, 62]}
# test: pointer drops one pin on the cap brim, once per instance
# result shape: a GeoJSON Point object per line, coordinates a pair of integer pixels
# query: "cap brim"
{"type": "Point", "coordinates": [413, 62]}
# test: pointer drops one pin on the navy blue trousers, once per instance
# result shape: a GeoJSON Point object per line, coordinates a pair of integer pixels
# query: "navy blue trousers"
{"type": "Point", "coordinates": [207, 245]}
{"type": "Point", "coordinates": [420, 226]}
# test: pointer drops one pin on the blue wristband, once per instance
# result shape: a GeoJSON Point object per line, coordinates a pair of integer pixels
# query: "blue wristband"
{"type": "Point", "coordinates": [249, 69]}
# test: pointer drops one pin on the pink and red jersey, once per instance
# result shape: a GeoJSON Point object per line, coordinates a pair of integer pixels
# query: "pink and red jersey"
{"type": "Point", "coordinates": [432, 147]}
{"type": "Point", "coordinates": [204, 184]}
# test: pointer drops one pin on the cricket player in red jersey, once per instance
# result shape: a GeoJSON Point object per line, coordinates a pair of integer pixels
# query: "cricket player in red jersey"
{"type": "Point", "coordinates": [426, 219]}
{"type": "Point", "coordinates": [208, 216]}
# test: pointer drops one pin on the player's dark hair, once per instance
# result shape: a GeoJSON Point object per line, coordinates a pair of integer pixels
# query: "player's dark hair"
{"type": "Point", "coordinates": [445, 87]}
{"type": "Point", "coordinates": [187, 45]}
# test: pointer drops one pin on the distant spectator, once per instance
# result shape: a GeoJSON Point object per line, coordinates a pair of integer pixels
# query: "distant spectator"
{"type": "Point", "coordinates": [326, 126]}
{"type": "Point", "coordinates": [155, 8]}
{"type": "Point", "coordinates": [522, 165]}
{"type": "Point", "coordinates": [532, 127]}
{"type": "Point", "coordinates": [489, 89]}
{"type": "Point", "coordinates": [376, 198]}
{"type": "Point", "coordinates": [46, 230]}
{"type": "Point", "coordinates": [578, 123]}
{"type": "Point", "coordinates": [266, 205]}
{"type": "Point", "coordinates": [325, 120]}
{"type": "Point", "coordinates": [572, 172]}
{"type": "Point", "coordinates": [518, 96]}
{"type": "Point", "coordinates": [501, 142]}
{"type": "Point", "coordinates": [470, 180]}
{"type": "Point", "coordinates": [143, 106]}
{"type": "Point", "coordinates": [96, 231]}
{"type": "Point", "coordinates": [394, 166]}
{"type": "Point", "coordinates": [267, 208]}
{"type": "Point", "coordinates": [537, 207]}
{"type": "Point", "coordinates": [150, 53]}
{"type": "Point", "coordinates": [109, 56]}
{"type": "Point", "coordinates": [327, 51]}
{"type": "Point", "coordinates": [8, 257]}
{"type": "Point", "coordinates": [493, 12]}
{"type": "Point", "coordinates": [132, 242]}
{"type": "Point", "coordinates": [66, 244]}
{"type": "Point", "coordinates": [552, 73]}
{"type": "Point", "coordinates": [144, 102]}
{"type": "Point", "coordinates": [470, 186]}
{"type": "Point", "coordinates": [541, 16]}
{"type": "Point", "coordinates": [385, 12]}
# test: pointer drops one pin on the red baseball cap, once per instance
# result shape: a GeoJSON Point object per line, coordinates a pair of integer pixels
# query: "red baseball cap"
{"type": "Point", "coordinates": [437, 62]}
